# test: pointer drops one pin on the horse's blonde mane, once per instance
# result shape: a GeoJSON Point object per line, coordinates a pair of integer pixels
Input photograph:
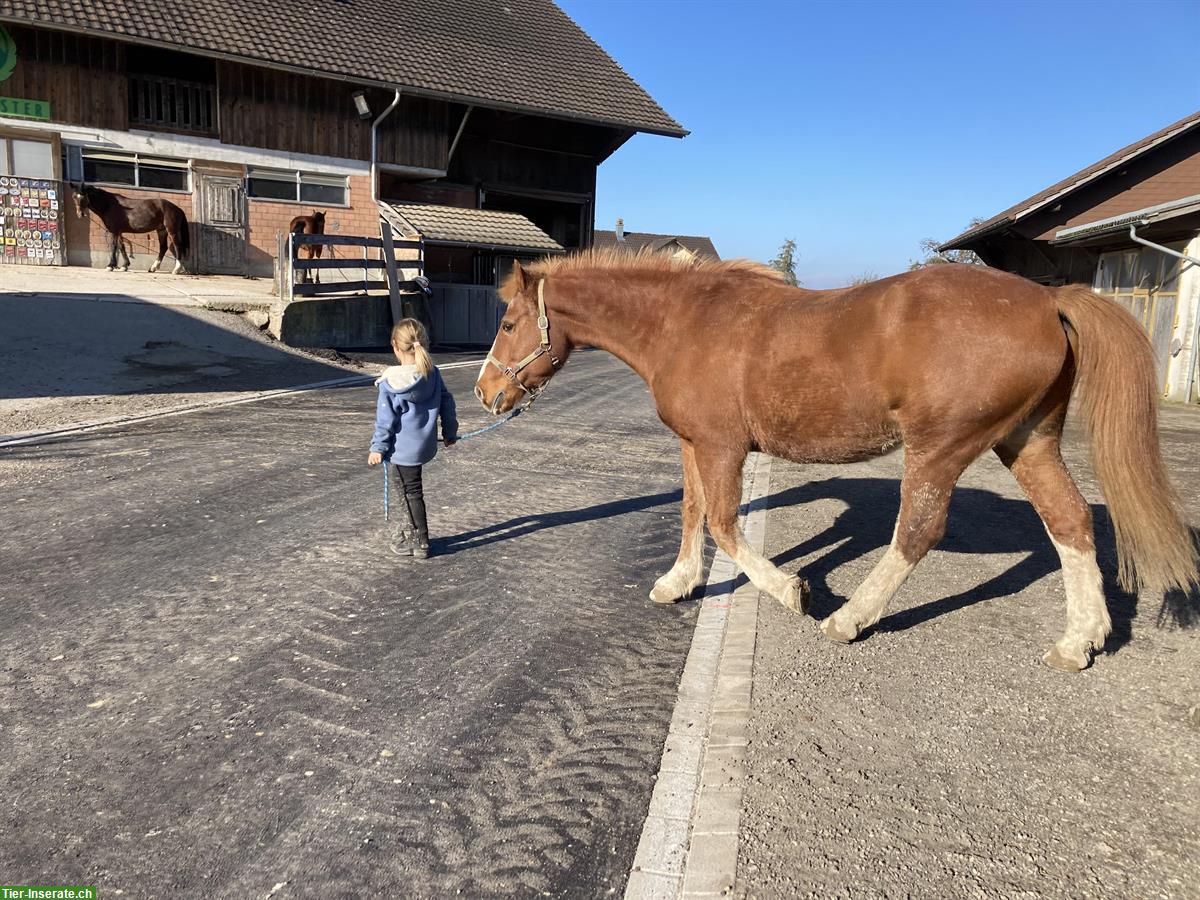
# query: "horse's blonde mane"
{"type": "Point", "coordinates": [646, 261]}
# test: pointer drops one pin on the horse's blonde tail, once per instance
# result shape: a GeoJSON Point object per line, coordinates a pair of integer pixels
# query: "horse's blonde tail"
{"type": "Point", "coordinates": [1117, 386]}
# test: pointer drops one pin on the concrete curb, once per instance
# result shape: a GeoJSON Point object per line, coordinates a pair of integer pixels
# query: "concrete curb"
{"type": "Point", "coordinates": [689, 842]}
{"type": "Point", "coordinates": [38, 437]}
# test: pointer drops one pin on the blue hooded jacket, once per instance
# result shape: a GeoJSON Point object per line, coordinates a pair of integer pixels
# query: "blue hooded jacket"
{"type": "Point", "coordinates": [406, 415]}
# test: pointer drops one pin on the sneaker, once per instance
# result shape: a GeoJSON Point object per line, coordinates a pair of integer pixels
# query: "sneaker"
{"type": "Point", "coordinates": [403, 543]}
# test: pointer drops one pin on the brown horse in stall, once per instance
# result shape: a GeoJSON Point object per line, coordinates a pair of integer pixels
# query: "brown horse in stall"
{"type": "Point", "coordinates": [120, 216]}
{"type": "Point", "coordinates": [949, 361]}
{"type": "Point", "coordinates": [311, 224]}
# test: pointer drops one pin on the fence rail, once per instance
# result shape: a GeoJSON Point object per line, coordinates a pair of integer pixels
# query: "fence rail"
{"type": "Point", "coordinates": [294, 271]}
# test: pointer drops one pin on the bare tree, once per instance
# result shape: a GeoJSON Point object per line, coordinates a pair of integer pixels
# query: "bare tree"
{"type": "Point", "coordinates": [929, 247]}
{"type": "Point", "coordinates": [865, 277]}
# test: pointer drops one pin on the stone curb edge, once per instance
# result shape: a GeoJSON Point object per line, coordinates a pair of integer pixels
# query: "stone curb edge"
{"type": "Point", "coordinates": [689, 841]}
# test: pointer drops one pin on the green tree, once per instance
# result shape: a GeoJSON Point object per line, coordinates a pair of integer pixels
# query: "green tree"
{"type": "Point", "coordinates": [929, 247]}
{"type": "Point", "coordinates": [785, 262]}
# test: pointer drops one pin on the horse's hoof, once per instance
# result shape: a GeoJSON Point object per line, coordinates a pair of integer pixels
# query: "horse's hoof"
{"type": "Point", "coordinates": [796, 595]}
{"type": "Point", "coordinates": [1066, 661]}
{"type": "Point", "coordinates": [109, 269]}
{"type": "Point", "coordinates": [831, 630]}
{"type": "Point", "coordinates": [668, 589]}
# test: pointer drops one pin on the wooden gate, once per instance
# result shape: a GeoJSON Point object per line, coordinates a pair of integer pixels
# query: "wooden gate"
{"type": "Point", "coordinates": [220, 236]}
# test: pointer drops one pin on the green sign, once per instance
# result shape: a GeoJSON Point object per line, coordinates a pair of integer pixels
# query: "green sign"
{"type": "Point", "coordinates": [25, 109]}
{"type": "Point", "coordinates": [8, 54]}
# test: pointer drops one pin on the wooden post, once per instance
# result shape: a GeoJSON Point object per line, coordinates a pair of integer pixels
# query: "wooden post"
{"type": "Point", "coordinates": [393, 279]}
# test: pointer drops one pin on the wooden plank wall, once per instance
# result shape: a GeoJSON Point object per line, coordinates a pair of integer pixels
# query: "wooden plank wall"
{"type": "Point", "coordinates": [283, 111]}
{"type": "Point", "coordinates": [82, 77]}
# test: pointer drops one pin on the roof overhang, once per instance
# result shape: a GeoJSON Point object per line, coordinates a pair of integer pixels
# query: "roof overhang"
{"type": "Point", "coordinates": [1119, 224]}
{"type": "Point", "coordinates": [408, 90]}
{"type": "Point", "coordinates": [478, 229]}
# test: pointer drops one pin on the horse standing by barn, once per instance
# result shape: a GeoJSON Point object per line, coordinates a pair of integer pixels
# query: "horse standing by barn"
{"type": "Point", "coordinates": [310, 224]}
{"type": "Point", "coordinates": [120, 216]}
{"type": "Point", "coordinates": [949, 361]}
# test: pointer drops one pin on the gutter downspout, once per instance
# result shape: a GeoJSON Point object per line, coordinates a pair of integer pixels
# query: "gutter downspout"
{"type": "Point", "coordinates": [374, 136]}
{"type": "Point", "coordinates": [1191, 261]}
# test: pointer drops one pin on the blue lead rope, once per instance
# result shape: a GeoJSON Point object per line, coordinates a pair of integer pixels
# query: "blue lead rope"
{"type": "Point", "coordinates": [462, 437]}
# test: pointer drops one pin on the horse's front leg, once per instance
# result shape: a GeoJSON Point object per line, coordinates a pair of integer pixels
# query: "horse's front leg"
{"type": "Point", "coordinates": [721, 474]}
{"type": "Point", "coordinates": [124, 253]}
{"type": "Point", "coordinates": [114, 241]}
{"type": "Point", "coordinates": [162, 249]}
{"type": "Point", "coordinates": [685, 576]}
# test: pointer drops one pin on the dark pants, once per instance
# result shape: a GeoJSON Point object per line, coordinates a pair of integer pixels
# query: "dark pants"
{"type": "Point", "coordinates": [414, 496]}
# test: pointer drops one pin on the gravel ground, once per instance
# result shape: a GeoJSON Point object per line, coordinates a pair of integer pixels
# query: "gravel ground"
{"type": "Point", "coordinates": [66, 360]}
{"type": "Point", "coordinates": [937, 757]}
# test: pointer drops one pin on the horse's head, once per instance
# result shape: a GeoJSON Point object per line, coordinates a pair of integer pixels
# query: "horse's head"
{"type": "Point", "coordinates": [529, 347]}
{"type": "Point", "coordinates": [81, 200]}
{"type": "Point", "coordinates": [318, 220]}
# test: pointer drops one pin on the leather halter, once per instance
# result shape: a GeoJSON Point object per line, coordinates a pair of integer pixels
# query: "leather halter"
{"type": "Point", "coordinates": [512, 373]}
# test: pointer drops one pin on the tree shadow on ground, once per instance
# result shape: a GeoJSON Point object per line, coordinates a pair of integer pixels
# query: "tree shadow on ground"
{"type": "Point", "coordinates": [980, 522]}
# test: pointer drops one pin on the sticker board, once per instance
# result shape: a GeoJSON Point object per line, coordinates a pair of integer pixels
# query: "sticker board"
{"type": "Point", "coordinates": [31, 221]}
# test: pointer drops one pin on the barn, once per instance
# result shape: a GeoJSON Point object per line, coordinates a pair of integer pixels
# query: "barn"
{"type": "Point", "coordinates": [1129, 225]}
{"type": "Point", "coordinates": [485, 118]}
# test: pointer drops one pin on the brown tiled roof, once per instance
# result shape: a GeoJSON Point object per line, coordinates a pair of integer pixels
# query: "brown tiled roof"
{"type": "Point", "coordinates": [477, 227]}
{"type": "Point", "coordinates": [518, 54]}
{"type": "Point", "coordinates": [641, 240]}
{"type": "Point", "coordinates": [1040, 199]}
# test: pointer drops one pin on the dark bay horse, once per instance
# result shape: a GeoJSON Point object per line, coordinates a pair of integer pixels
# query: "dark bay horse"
{"type": "Point", "coordinates": [311, 224]}
{"type": "Point", "coordinates": [949, 361]}
{"type": "Point", "coordinates": [120, 215]}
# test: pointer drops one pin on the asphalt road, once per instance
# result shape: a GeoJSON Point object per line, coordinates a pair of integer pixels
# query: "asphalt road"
{"type": "Point", "coordinates": [216, 680]}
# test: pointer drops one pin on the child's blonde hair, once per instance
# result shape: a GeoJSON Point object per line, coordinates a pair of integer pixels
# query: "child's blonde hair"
{"type": "Point", "coordinates": [410, 336]}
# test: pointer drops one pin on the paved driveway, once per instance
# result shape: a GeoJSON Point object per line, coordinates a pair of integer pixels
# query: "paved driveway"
{"type": "Point", "coordinates": [217, 680]}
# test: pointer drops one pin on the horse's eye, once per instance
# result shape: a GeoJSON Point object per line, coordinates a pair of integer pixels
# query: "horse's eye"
{"type": "Point", "coordinates": [507, 326]}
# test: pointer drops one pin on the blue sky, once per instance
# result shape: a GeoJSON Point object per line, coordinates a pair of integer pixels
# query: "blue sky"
{"type": "Point", "coordinates": [859, 128]}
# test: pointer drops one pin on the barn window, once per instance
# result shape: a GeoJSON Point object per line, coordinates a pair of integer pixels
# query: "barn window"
{"type": "Point", "coordinates": [154, 173]}
{"type": "Point", "coordinates": [297, 187]}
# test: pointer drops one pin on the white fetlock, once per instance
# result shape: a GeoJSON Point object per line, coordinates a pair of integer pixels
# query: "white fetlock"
{"type": "Point", "coordinates": [675, 585]}
{"type": "Point", "coordinates": [838, 629]}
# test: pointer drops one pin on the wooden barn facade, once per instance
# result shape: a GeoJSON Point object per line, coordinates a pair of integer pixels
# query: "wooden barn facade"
{"type": "Point", "coordinates": [246, 115]}
{"type": "Point", "coordinates": [1129, 225]}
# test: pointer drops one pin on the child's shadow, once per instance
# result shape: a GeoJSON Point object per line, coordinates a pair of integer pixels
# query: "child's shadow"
{"type": "Point", "coordinates": [523, 525]}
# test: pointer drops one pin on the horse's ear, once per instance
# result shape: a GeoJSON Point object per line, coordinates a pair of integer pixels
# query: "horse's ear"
{"type": "Point", "coordinates": [520, 278]}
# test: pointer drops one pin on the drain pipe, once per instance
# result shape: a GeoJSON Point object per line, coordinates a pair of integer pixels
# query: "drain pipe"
{"type": "Point", "coordinates": [1191, 261]}
{"type": "Point", "coordinates": [374, 136]}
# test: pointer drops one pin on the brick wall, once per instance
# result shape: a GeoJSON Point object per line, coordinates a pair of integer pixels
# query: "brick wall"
{"type": "Point", "coordinates": [87, 244]}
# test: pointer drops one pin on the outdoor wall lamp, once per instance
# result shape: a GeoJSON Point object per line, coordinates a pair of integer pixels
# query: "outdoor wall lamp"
{"type": "Point", "coordinates": [360, 104]}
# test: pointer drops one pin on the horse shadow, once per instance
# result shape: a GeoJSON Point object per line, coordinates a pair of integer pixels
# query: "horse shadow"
{"type": "Point", "coordinates": [980, 523]}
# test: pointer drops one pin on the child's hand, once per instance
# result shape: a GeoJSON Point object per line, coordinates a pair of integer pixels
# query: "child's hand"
{"type": "Point", "coordinates": [375, 458]}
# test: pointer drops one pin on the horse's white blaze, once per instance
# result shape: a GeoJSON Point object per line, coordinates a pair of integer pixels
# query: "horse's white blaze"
{"type": "Point", "coordinates": [1088, 622]}
{"type": "Point", "coordinates": [873, 595]}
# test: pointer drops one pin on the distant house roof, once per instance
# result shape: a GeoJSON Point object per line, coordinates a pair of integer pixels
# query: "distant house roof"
{"type": "Point", "coordinates": [472, 227]}
{"type": "Point", "coordinates": [1080, 178]}
{"type": "Point", "coordinates": [515, 54]}
{"type": "Point", "coordinates": [641, 240]}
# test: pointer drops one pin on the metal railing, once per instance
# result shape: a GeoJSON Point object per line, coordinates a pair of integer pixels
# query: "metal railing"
{"type": "Point", "coordinates": [170, 103]}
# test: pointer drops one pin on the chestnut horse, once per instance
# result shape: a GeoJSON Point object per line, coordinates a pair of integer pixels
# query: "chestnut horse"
{"type": "Point", "coordinates": [120, 215]}
{"type": "Point", "coordinates": [313, 224]}
{"type": "Point", "coordinates": [949, 361]}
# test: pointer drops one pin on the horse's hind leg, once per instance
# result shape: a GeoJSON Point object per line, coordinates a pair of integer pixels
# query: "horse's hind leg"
{"type": "Point", "coordinates": [720, 473]}
{"type": "Point", "coordinates": [162, 249]}
{"type": "Point", "coordinates": [114, 241]}
{"type": "Point", "coordinates": [686, 574]}
{"type": "Point", "coordinates": [924, 502]}
{"type": "Point", "coordinates": [1036, 462]}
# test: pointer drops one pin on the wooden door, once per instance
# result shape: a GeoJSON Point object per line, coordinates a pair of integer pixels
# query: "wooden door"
{"type": "Point", "coordinates": [221, 224]}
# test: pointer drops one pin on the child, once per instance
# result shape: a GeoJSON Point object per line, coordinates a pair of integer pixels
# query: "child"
{"type": "Point", "coordinates": [412, 396]}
